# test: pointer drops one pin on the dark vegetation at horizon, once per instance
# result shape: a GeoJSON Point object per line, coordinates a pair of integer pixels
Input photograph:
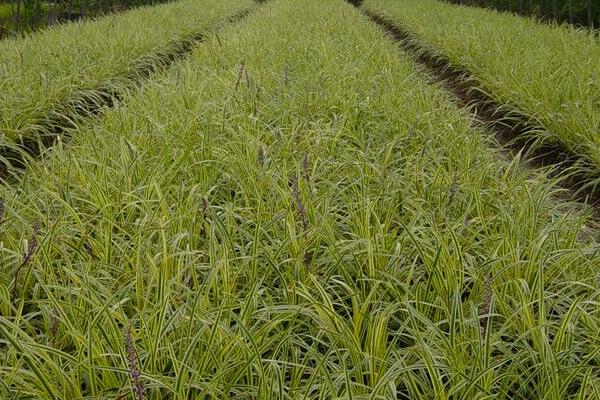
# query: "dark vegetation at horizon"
{"type": "Point", "coordinates": [578, 12]}
{"type": "Point", "coordinates": [18, 16]}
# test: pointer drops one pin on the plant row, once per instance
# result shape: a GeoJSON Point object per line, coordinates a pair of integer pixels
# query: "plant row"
{"type": "Point", "coordinates": [47, 76]}
{"type": "Point", "coordinates": [546, 74]}
{"type": "Point", "coordinates": [293, 212]}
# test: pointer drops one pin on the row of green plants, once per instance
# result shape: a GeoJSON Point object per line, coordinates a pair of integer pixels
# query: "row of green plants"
{"type": "Point", "coordinates": [579, 12]}
{"type": "Point", "coordinates": [545, 74]}
{"type": "Point", "coordinates": [293, 212]}
{"type": "Point", "coordinates": [25, 15]}
{"type": "Point", "coordinates": [47, 77]}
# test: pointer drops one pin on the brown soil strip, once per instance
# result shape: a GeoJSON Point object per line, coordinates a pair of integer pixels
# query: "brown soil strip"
{"type": "Point", "coordinates": [63, 118]}
{"type": "Point", "coordinates": [511, 129]}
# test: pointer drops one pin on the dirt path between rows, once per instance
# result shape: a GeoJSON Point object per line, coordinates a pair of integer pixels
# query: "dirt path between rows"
{"type": "Point", "coordinates": [65, 117]}
{"type": "Point", "coordinates": [511, 130]}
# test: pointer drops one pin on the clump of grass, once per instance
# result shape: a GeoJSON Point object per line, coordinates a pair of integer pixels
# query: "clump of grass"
{"type": "Point", "coordinates": [385, 299]}
{"type": "Point", "coordinates": [46, 77]}
{"type": "Point", "coordinates": [548, 74]}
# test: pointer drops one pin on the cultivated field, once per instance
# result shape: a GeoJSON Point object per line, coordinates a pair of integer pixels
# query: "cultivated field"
{"type": "Point", "coordinates": [292, 209]}
{"type": "Point", "coordinates": [47, 75]}
{"type": "Point", "coordinates": [547, 74]}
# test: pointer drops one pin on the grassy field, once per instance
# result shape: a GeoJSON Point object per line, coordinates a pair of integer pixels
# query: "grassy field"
{"type": "Point", "coordinates": [5, 10]}
{"type": "Point", "coordinates": [547, 73]}
{"type": "Point", "coordinates": [21, 16]}
{"type": "Point", "coordinates": [293, 212]}
{"type": "Point", "coordinates": [5, 23]}
{"type": "Point", "coordinates": [46, 76]}
{"type": "Point", "coordinates": [584, 13]}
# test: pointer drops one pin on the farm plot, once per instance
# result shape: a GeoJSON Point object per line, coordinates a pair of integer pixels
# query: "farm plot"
{"type": "Point", "coordinates": [546, 74]}
{"type": "Point", "coordinates": [45, 78]}
{"type": "Point", "coordinates": [293, 212]}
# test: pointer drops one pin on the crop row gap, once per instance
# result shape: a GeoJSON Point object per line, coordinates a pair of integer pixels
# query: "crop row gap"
{"type": "Point", "coordinates": [511, 128]}
{"type": "Point", "coordinates": [59, 125]}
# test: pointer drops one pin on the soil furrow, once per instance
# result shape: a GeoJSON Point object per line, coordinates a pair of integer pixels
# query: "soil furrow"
{"type": "Point", "coordinates": [59, 123]}
{"type": "Point", "coordinates": [512, 130]}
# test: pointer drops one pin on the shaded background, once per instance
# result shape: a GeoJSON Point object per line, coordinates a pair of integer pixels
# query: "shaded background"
{"type": "Point", "coordinates": [26, 15]}
{"type": "Point", "coordinates": [579, 12]}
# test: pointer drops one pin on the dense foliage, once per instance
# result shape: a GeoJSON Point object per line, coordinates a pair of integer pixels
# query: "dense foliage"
{"type": "Point", "coordinates": [293, 212]}
{"type": "Point", "coordinates": [20, 15]}
{"type": "Point", "coordinates": [581, 12]}
{"type": "Point", "coordinates": [546, 74]}
{"type": "Point", "coordinates": [46, 77]}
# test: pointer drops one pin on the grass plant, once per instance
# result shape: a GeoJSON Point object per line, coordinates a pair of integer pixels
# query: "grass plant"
{"type": "Point", "coordinates": [294, 213]}
{"type": "Point", "coordinates": [45, 77]}
{"type": "Point", "coordinates": [581, 12]}
{"type": "Point", "coordinates": [547, 74]}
